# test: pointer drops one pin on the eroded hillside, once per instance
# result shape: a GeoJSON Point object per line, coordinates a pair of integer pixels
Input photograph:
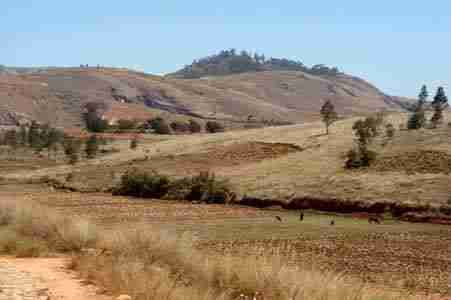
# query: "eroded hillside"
{"type": "Point", "coordinates": [58, 96]}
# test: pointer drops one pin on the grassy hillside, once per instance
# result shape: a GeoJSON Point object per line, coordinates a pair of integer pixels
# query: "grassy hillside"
{"type": "Point", "coordinates": [260, 168]}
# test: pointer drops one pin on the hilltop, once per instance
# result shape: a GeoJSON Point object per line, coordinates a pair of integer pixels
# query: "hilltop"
{"type": "Point", "coordinates": [283, 91]}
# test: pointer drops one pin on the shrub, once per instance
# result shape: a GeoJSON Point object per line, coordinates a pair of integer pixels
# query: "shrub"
{"type": "Point", "coordinates": [92, 146]}
{"type": "Point", "coordinates": [143, 184]}
{"type": "Point", "coordinates": [213, 127]}
{"type": "Point", "coordinates": [204, 187]}
{"type": "Point", "coordinates": [134, 143]}
{"type": "Point", "coordinates": [359, 158]}
{"type": "Point", "coordinates": [159, 126]}
{"type": "Point", "coordinates": [179, 126]}
{"type": "Point", "coordinates": [207, 188]}
{"type": "Point", "coordinates": [124, 125]}
{"type": "Point", "coordinates": [194, 127]}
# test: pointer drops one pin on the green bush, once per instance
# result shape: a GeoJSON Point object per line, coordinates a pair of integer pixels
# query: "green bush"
{"type": "Point", "coordinates": [359, 158]}
{"type": "Point", "coordinates": [204, 187]}
{"type": "Point", "coordinates": [194, 127]}
{"type": "Point", "coordinates": [207, 188]}
{"type": "Point", "coordinates": [179, 126]}
{"type": "Point", "coordinates": [159, 126]}
{"type": "Point", "coordinates": [124, 125]}
{"type": "Point", "coordinates": [142, 184]}
{"type": "Point", "coordinates": [213, 127]}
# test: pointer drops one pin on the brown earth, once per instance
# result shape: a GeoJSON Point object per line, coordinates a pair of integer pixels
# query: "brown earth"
{"type": "Point", "coordinates": [421, 161]}
{"type": "Point", "coordinates": [55, 281]}
{"type": "Point", "coordinates": [58, 96]}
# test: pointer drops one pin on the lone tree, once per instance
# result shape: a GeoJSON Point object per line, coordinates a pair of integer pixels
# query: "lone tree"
{"type": "Point", "coordinates": [328, 114]}
{"type": "Point", "coordinates": [365, 131]}
{"type": "Point", "coordinates": [439, 104]}
{"type": "Point", "coordinates": [418, 119]}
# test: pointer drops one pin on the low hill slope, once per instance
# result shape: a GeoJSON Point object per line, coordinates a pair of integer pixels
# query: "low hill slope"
{"type": "Point", "coordinates": [283, 162]}
{"type": "Point", "coordinates": [58, 96]}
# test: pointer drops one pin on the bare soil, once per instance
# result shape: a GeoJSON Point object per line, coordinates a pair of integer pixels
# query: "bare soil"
{"type": "Point", "coordinates": [46, 278]}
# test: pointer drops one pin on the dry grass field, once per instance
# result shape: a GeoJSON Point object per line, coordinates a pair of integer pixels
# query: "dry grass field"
{"type": "Point", "coordinates": [393, 256]}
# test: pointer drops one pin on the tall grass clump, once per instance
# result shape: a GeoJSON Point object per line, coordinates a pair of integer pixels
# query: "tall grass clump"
{"type": "Point", "coordinates": [31, 228]}
{"type": "Point", "coordinates": [148, 265]}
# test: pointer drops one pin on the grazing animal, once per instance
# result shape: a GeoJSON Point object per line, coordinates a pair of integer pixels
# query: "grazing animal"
{"type": "Point", "coordinates": [301, 217]}
{"type": "Point", "coordinates": [332, 223]}
{"type": "Point", "coordinates": [372, 220]}
{"type": "Point", "coordinates": [278, 218]}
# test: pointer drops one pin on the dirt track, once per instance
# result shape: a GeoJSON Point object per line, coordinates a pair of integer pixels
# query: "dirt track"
{"type": "Point", "coordinates": [42, 279]}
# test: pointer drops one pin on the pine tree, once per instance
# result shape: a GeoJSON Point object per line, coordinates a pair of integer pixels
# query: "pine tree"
{"type": "Point", "coordinates": [328, 114]}
{"type": "Point", "coordinates": [418, 119]}
{"type": "Point", "coordinates": [439, 104]}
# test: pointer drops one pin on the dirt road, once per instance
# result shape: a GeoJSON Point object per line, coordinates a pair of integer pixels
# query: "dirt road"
{"type": "Point", "coordinates": [42, 279]}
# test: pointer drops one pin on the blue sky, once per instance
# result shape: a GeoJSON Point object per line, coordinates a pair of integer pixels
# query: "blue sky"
{"type": "Point", "coordinates": [398, 45]}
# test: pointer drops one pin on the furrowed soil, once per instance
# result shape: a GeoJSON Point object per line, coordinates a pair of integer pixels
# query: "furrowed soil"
{"type": "Point", "coordinates": [394, 255]}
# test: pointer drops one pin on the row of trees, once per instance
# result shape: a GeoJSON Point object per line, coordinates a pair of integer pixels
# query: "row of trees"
{"type": "Point", "coordinates": [440, 102]}
{"type": "Point", "coordinates": [39, 137]}
{"type": "Point", "coordinates": [232, 62]}
{"type": "Point", "coordinates": [36, 136]}
{"type": "Point", "coordinates": [160, 126]}
{"type": "Point", "coordinates": [157, 125]}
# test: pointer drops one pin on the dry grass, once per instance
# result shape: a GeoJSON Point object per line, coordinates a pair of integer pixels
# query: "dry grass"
{"type": "Point", "coordinates": [29, 230]}
{"type": "Point", "coordinates": [148, 265]}
{"type": "Point", "coordinates": [151, 265]}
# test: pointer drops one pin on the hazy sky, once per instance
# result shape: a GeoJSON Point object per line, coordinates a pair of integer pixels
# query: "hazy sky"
{"type": "Point", "coordinates": [398, 45]}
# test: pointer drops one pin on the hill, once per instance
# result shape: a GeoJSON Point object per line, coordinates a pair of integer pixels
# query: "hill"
{"type": "Point", "coordinates": [229, 62]}
{"type": "Point", "coordinates": [58, 96]}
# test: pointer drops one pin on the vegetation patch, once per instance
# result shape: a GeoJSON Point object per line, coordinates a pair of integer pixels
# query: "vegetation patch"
{"type": "Point", "coordinates": [28, 230]}
{"type": "Point", "coordinates": [204, 187]}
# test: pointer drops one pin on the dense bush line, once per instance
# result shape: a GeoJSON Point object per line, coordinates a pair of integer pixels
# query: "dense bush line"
{"type": "Point", "coordinates": [205, 187]}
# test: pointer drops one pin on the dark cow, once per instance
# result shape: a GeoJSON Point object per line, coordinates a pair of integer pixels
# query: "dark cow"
{"type": "Point", "coordinates": [374, 220]}
{"type": "Point", "coordinates": [278, 218]}
{"type": "Point", "coordinates": [332, 223]}
{"type": "Point", "coordinates": [301, 217]}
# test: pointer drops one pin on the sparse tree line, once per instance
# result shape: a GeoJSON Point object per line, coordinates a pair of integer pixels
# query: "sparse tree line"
{"type": "Point", "coordinates": [235, 62]}
{"type": "Point", "coordinates": [372, 127]}
{"type": "Point", "coordinates": [94, 123]}
{"type": "Point", "coordinates": [40, 138]}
